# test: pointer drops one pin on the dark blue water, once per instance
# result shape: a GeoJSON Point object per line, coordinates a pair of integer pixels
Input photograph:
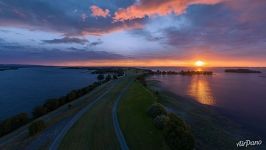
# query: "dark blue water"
{"type": "Point", "coordinates": [23, 89]}
{"type": "Point", "coordinates": [242, 96]}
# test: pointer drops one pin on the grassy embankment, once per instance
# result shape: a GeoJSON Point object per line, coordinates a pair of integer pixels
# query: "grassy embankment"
{"type": "Point", "coordinates": [52, 119]}
{"type": "Point", "coordinates": [137, 126]}
{"type": "Point", "coordinates": [94, 130]}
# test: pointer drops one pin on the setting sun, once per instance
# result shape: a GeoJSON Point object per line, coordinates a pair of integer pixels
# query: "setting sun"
{"type": "Point", "coordinates": [199, 63]}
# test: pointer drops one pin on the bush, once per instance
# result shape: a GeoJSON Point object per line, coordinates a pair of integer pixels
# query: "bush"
{"type": "Point", "coordinates": [115, 77]}
{"type": "Point", "coordinates": [156, 109]}
{"type": "Point", "coordinates": [36, 127]}
{"type": "Point", "coordinates": [160, 121]}
{"type": "Point", "coordinates": [39, 111]}
{"type": "Point", "coordinates": [13, 123]}
{"type": "Point", "coordinates": [100, 77]}
{"type": "Point", "coordinates": [142, 80]}
{"type": "Point", "coordinates": [108, 77]}
{"type": "Point", "coordinates": [175, 120]}
{"type": "Point", "coordinates": [177, 135]}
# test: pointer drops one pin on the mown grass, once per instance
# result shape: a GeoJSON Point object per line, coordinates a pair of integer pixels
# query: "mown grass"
{"type": "Point", "coordinates": [137, 126]}
{"type": "Point", "coordinates": [94, 130]}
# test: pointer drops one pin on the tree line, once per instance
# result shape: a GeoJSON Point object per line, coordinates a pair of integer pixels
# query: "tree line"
{"type": "Point", "coordinates": [182, 72]}
{"type": "Point", "coordinates": [10, 124]}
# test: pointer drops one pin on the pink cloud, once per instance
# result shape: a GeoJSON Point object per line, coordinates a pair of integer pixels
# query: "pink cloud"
{"type": "Point", "coordinates": [149, 8]}
{"type": "Point", "coordinates": [99, 12]}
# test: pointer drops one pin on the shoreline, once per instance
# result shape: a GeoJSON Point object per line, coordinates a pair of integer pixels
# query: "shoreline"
{"type": "Point", "coordinates": [210, 125]}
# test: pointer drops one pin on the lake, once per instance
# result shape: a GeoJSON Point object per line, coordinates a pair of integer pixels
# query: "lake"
{"type": "Point", "coordinates": [240, 96]}
{"type": "Point", "coordinates": [23, 89]}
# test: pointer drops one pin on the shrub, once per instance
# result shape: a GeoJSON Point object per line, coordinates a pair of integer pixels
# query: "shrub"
{"type": "Point", "coordinates": [100, 77]}
{"type": "Point", "coordinates": [177, 135]}
{"type": "Point", "coordinates": [108, 77]}
{"type": "Point", "coordinates": [175, 120]}
{"type": "Point", "coordinates": [156, 109]}
{"type": "Point", "coordinates": [13, 123]}
{"type": "Point", "coordinates": [51, 104]}
{"type": "Point", "coordinates": [160, 121]}
{"type": "Point", "coordinates": [142, 80]}
{"type": "Point", "coordinates": [39, 111]}
{"type": "Point", "coordinates": [114, 77]}
{"type": "Point", "coordinates": [36, 127]}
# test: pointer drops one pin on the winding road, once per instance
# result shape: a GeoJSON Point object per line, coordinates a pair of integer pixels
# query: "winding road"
{"type": "Point", "coordinates": [60, 136]}
{"type": "Point", "coordinates": [118, 131]}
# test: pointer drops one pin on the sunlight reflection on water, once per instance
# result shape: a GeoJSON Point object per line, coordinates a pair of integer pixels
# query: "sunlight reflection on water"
{"type": "Point", "coordinates": [200, 90]}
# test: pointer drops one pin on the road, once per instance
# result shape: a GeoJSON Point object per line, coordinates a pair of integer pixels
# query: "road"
{"type": "Point", "coordinates": [99, 128]}
{"type": "Point", "coordinates": [118, 131]}
{"type": "Point", "coordinates": [57, 131]}
{"type": "Point", "coordinates": [22, 133]}
{"type": "Point", "coordinates": [60, 136]}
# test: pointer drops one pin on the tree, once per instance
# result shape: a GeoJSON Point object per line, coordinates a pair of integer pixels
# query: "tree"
{"type": "Point", "coordinates": [160, 121]}
{"type": "Point", "coordinates": [177, 134]}
{"type": "Point", "coordinates": [108, 77]}
{"type": "Point", "coordinates": [156, 109]}
{"type": "Point", "coordinates": [100, 77]}
{"type": "Point", "coordinates": [39, 111]}
{"type": "Point", "coordinates": [36, 127]}
{"type": "Point", "coordinates": [114, 77]}
{"type": "Point", "coordinates": [13, 123]}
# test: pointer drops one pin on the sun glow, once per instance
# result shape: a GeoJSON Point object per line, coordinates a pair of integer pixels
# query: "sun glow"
{"type": "Point", "coordinates": [200, 63]}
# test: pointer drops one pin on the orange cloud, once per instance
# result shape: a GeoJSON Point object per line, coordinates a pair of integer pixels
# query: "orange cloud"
{"type": "Point", "coordinates": [149, 8]}
{"type": "Point", "coordinates": [99, 12]}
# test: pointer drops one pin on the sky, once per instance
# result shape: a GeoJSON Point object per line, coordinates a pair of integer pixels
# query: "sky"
{"type": "Point", "coordinates": [133, 32]}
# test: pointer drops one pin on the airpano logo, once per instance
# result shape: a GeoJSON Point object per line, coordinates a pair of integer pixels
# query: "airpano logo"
{"type": "Point", "coordinates": [247, 143]}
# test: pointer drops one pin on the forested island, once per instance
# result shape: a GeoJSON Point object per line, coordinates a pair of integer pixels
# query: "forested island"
{"type": "Point", "coordinates": [189, 72]}
{"type": "Point", "coordinates": [241, 71]}
{"type": "Point", "coordinates": [8, 68]}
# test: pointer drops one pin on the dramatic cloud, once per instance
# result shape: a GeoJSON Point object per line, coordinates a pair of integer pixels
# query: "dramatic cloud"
{"type": "Point", "coordinates": [99, 12]}
{"type": "Point", "coordinates": [141, 29]}
{"type": "Point", "coordinates": [65, 17]}
{"type": "Point", "coordinates": [67, 40]}
{"type": "Point", "coordinates": [12, 52]}
{"type": "Point", "coordinates": [144, 8]}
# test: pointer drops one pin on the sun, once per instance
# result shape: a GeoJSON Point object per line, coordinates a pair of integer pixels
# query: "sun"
{"type": "Point", "coordinates": [200, 63]}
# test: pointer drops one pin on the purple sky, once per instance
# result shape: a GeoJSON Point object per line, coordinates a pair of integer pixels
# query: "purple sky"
{"type": "Point", "coordinates": [128, 32]}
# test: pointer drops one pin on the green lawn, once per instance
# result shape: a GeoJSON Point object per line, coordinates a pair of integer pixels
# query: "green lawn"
{"type": "Point", "coordinates": [95, 128]}
{"type": "Point", "coordinates": [137, 126]}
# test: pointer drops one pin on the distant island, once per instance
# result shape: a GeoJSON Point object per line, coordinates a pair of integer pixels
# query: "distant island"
{"type": "Point", "coordinates": [8, 68]}
{"type": "Point", "coordinates": [182, 72]}
{"type": "Point", "coordinates": [241, 71]}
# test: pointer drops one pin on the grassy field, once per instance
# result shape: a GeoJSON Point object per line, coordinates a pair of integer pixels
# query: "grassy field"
{"type": "Point", "coordinates": [137, 126]}
{"type": "Point", "coordinates": [95, 129]}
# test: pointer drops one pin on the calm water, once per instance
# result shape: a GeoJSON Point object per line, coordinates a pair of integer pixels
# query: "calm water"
{"type": "Point", "coordinates": [23, 89]}
{"type": "Point", "coordinates": [243, 96]}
